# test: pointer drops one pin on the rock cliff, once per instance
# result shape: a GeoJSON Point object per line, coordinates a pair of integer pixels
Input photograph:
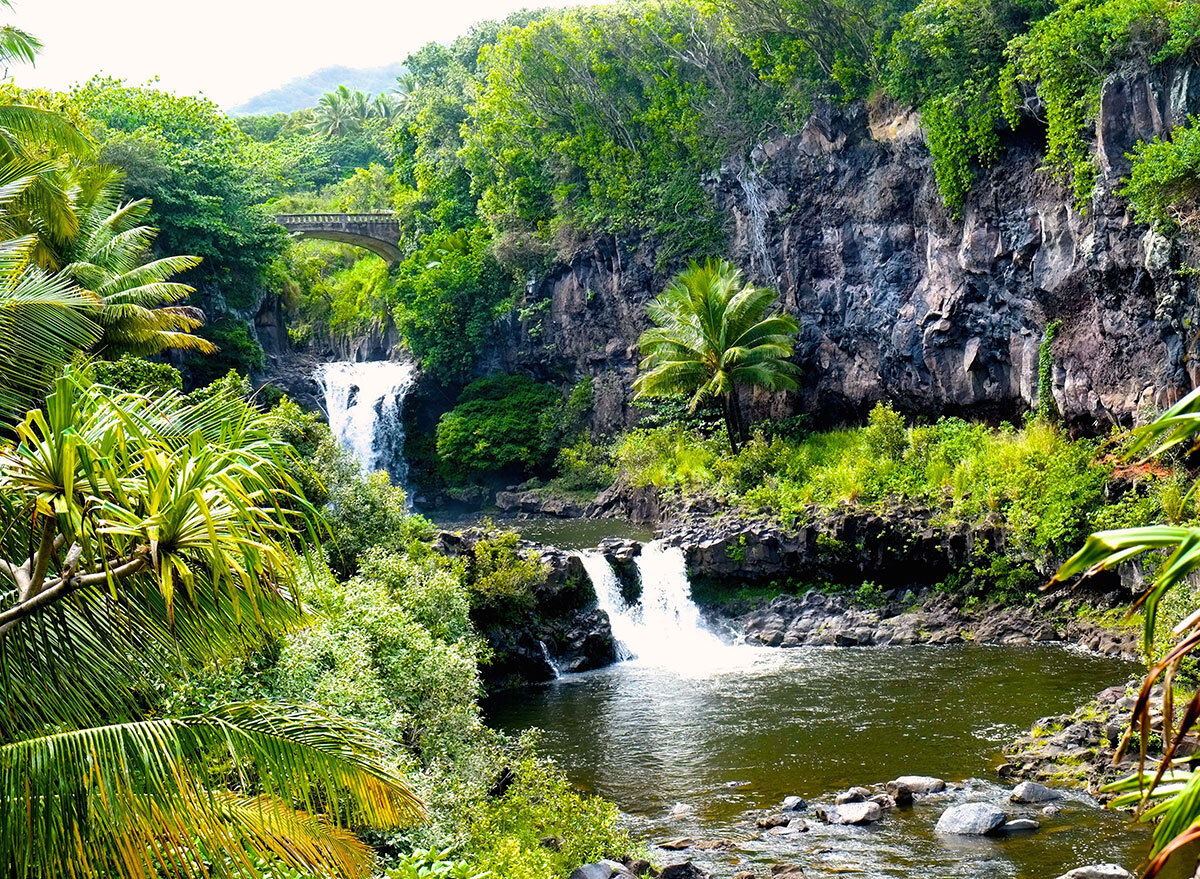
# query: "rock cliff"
{"type": "Point", "coordinates": [898, 299]}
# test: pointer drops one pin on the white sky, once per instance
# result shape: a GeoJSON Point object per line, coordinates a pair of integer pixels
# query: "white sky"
{"type": "Point", "coordinates": [231, 50]}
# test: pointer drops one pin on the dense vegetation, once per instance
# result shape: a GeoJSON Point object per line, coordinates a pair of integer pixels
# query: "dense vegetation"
{"type": "Point", "coordinates": [305, 691]}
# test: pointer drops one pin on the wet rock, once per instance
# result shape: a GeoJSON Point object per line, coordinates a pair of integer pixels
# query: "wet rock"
{"type": "Point", "coordinates": [884, 801]}
{"type": "Point", "coordinates": [850, 813]}
{"type": "Point", "coordinates": [972, 819]}
{"type": "Point", "coordinates": [1098, 871]}
{"type": "Point", "coordinates": [679, 844]}
{"type": "Point", "coordinates": [900, 792]}
{"type": "Point", "coordinates": [1032, 792]}
{"type": "Point", "coordinates": [853, 795]}
{"type": "Point", "coordinates": [1021, 825]}
{"type": "Point", "coordinates": [685, 870]}
{"type": "Point", "coordinates": [787, 871]}
{"type": "Point", "coordinates": [768, 821]}
{"type": "Point", "coordinates": [922, 784]}
{"type": "Point", "coordinates": [1051, 811]}
{"type": "Point", "coordinates": [795, 804]}
{"type": "Point", "coordinates": [714, 845]}
{"type": "Point", "coordinates": [639, 867]}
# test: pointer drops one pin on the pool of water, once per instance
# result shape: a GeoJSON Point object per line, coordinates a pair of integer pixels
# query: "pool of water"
{"type": "Point", "coordinates": [563, 533]}
{"type": "Point", "coordinates": [701, 749]}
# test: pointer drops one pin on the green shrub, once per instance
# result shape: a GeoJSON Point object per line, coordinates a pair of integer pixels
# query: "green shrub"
{"type": "Point", "coordinates": [585, 466]}
{"type": "Point", "coordinates": [503, 579]}
{"type": "Point", "coordinates": [494, 427]}
{"type": "Point", "coordinates": [135, 374]}
{"type": "Point", "coordinates": [1164, 183]}
{"type": "Point", "coordinates": [505, 833]}
{"type": "Point", "coordinates": [363, 510]}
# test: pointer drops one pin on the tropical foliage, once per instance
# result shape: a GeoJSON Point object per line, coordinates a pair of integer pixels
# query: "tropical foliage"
{"type": "Point", "coordinates": [714, 335]}
{"type": "Point", "coordinates": [1165, 794]}
{"type": "Point", "coordinates": [161, 527]}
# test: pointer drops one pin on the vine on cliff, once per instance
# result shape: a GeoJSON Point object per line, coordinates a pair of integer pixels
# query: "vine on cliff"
{"type": "Point", "coordinates": [1046, 409]}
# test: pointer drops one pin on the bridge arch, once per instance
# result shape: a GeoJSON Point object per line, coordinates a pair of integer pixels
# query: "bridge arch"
{"type": "Point", "coordinates": [378, 233]}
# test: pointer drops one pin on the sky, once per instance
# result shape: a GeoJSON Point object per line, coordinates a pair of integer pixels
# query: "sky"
{"type": "Point", "coordinates": [232, 50]}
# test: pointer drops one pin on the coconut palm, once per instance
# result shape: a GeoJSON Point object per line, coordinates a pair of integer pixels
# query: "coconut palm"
{"type": "Point", "coordinates": [139, 539]}
{"type": "Point", "coordinates": [141, 312]}
{"type": "Point", "coordinates": [713, 334]}
{"type": "Point", "coordinates": [44, 319]}
{"type": "Point", "coordinates": [341, 112]}
{"type": "Point", "coordinates": [17, 46]}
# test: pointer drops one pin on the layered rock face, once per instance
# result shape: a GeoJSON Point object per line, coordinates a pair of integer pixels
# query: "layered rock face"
{"type": "Point", "coordinates": [898, 299]}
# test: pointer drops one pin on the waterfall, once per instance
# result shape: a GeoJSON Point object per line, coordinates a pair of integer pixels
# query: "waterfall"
{"type": "Point", "coordinates": [756, 221]}
{"type": "Point", "coordinates": [365, 404]}
{"type": "Point", "coordinates": [664, 628]}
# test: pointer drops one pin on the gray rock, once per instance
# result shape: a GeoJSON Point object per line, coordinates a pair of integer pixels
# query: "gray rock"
{"type": "Point", "coordinates": [854, 795]}
{"type": "Point", "coordinates": [850, 813]}
{"type": "Point", "coordinates": [1032, 792]}
{"type": "Point", "coordinates": [1098, 871]}
{"type": "Point", "coordinates": [1051, 811]}
{"type": "Point", "coordinates": [901, 793]}
{"type": "Point", "coordinates": [972, 819]}
{"type": "Point", "coordinates": [1021, 825]}
{"type": "Point", "coordinates": [922, 784]}
{"type": "Point", "coordinates": [686, 870]}
{"type": "Point", "coordinates": [600, 870]}
{"type": "Point", "coordinates": [795, 804]}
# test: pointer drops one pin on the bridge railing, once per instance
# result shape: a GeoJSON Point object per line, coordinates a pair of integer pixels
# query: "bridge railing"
{"type": "Point", "coordinates": [377, 217]}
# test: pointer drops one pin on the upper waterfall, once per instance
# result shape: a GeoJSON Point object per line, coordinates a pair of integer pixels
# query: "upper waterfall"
{"type": "Point", "coordinates": [365, 404]}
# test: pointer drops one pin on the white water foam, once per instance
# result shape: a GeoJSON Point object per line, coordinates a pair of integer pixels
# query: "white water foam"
{"type": "Point", "coordinates": [365, 404]}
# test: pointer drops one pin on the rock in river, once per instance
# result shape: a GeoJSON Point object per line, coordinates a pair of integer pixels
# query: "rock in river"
{"type": "Point", "coordinates": [972, 819]}
{"type": "Point", "coordinates": [795, 804]}
{"type": "Point", "coordinates": [1098, 871]}
{"type": "Point", "coordinates": [686, 870]}
{"type": "Point", "coordinates": [922, 784]}
{"type": "Point", "coordinates": [1032, 792]}
{"type": "Point", "coordinates": [603, 870]}
{"type": "Point", "coordinates": [850, 813]}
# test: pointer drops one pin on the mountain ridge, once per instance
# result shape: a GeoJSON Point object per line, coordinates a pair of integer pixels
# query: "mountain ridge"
{"type": "Point", "coordinates": [305, 91]}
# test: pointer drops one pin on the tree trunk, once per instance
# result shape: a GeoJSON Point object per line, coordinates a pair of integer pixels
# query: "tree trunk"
{"type": "Point", "coordinates": [733, 420]}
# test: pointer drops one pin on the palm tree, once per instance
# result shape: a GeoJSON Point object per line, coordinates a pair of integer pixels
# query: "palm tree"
{"type": "Point", "coordinates": [141, 312]}
{"type": "Point", "coordinates": [16, 45]}
{"type": "Point", "coordinates": [141, 538]}
{"type": "Point", "coordinates": [713, 335]}
{"type": "Point", "coordinates": [44, 319]}
{"type": "Point", "coordinates": [341, 112]}
{"type": "Point", "coordinates": [386, 107]}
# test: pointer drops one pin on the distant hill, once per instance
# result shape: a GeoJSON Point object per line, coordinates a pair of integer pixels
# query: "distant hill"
{"type": "Point", "coordinates": [306, 91]}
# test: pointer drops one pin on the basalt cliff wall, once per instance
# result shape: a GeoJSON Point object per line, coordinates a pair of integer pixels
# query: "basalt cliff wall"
{"type": "Point", "coordinates": [898, 299]}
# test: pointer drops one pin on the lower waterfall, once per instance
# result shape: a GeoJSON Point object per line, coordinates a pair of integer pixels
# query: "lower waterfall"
{"type": "Point", "coordinates": [664, 627]}
{"type": "Point", "coordinates": [365, 404]}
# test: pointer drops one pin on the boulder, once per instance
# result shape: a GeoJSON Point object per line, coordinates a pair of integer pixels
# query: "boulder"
{"type": "Point", "coordinates": [1032, 792]}
{"type": "Point", "coordinates": [787, 871]}
{"type": "Point", "coordinates": [1098, 871]}
{"type": "Point", "coordinates": [603, 870]}
{"type": "Point", "coordinates": [972, 819]}
{"type": "Point", "coordinates": [676, 845]}
{"type": "Point", "coordinates": [1021, 825]}
{"type": "Point", "coordinates": [901, 793]}
{"type": "Point", "coordinates": [854, 795]}
{"type": "Point", "coordinates": [922, 784]}
{"type": "Point", "coordinates": [686, 870]}
{"type": "Point", "coordinates": [795, 804]}
{"type": "Point", "coordinates": [850, 813]}
{"type": "Point", "coordinates": [766, 822]}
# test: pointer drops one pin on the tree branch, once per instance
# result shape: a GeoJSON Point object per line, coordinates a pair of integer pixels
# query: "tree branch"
{"type": "Point", "coordinates": [61, 588]}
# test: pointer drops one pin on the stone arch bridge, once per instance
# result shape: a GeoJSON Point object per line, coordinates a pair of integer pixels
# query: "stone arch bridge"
{"type": "Point", "coordinates": [378, 233]}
